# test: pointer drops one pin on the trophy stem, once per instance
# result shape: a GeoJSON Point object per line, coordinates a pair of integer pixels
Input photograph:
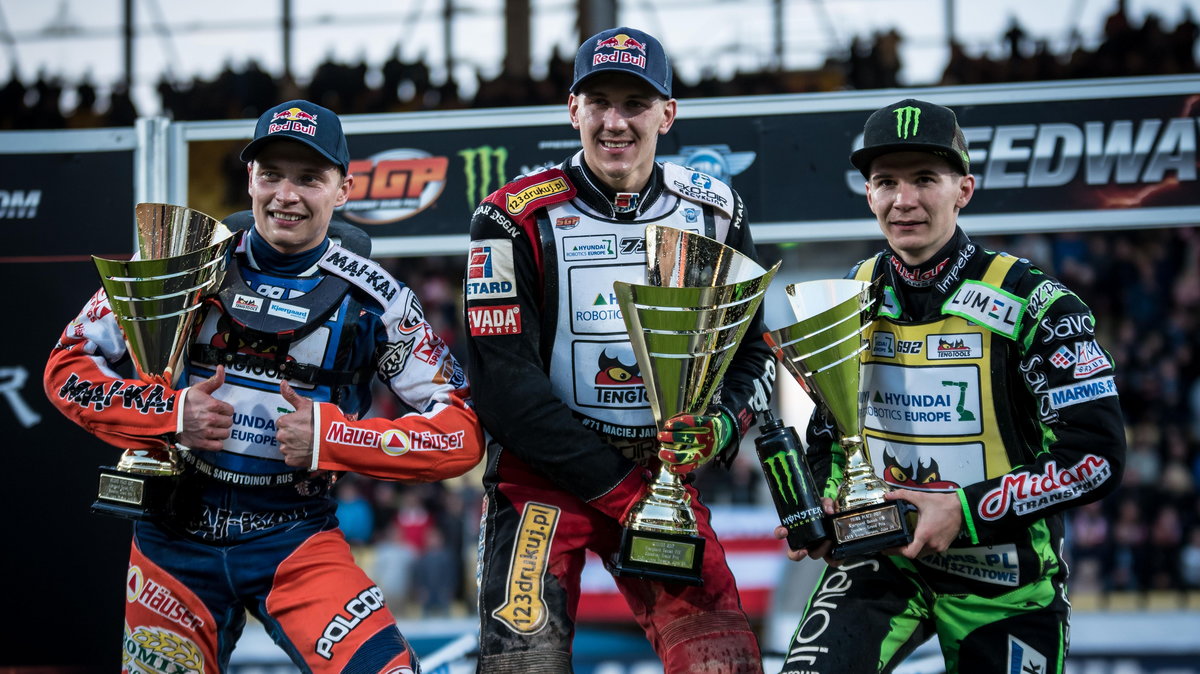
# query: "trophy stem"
{"type": "Point", "coordinates": [861, 486]}
{"type": "Point", "coordinates": [666, 507]}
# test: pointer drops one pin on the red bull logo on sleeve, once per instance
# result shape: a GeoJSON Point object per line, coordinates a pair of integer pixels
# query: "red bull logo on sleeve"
{"type": "Point", "coordinates": [293, 119]}
{"type": "Point", "coordinates": [624, 48]}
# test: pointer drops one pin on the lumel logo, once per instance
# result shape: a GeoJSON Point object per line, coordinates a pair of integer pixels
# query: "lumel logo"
{"type": "Point", "coordinates": [481, 166]}
{"type": "Point", "coordinates": [780, 467]}
{"type": "Point", "coordinates": [908, 121]}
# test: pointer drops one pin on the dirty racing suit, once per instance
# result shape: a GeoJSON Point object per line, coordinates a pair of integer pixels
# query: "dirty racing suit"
{"type": "Point", "coordinates": [558, 388]}
{"type": "Point", "coordinates": [984, 378]}
{"type": "Point", "coordinates": [249, 532]}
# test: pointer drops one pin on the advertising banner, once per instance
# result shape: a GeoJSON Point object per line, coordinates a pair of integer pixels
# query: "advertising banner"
{"type": "Point", "coordinates": [1059, 156]}
{"type": "Point", "coordinates": [63, 196]}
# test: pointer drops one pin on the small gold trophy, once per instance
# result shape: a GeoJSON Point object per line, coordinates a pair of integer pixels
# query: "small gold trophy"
{"type": "Point", "coordinates": [684, 325]}
{"type": "Point", "coordinates": [824, 353]}
{"type": "Point", "coordinates": [182, 256]}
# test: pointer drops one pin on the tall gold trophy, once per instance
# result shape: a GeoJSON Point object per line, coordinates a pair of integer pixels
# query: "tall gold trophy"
{"type": "Point", "coordinates": [685, 326]}
{"type": "Point", "coordinates": [182, 257]}
{"type": "Point", "coordinates": [823, 351]}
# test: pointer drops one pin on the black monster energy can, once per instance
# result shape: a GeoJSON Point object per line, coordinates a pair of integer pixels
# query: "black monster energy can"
{"type": "Point", "coordinates": [791, 483]}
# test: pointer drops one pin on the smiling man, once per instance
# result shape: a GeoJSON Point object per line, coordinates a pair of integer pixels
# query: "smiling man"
{"type": "Point", "coordinates": [280, 371]}
{"type": "Point", "coordinates": [1018, 421]}
{"type": "Point", "coordinates": [557, 385]}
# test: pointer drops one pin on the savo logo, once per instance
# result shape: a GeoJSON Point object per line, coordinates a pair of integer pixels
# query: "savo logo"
{"type": "Point", "coordinates": [484, 169]}
{"type": "Point", "coordinates": [906, 117]}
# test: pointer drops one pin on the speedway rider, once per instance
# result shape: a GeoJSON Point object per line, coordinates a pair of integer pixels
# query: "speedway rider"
{"type": "Point", "coordinates": [557, 385]}
{"type": "Point", "coordinates": [280, 372]}
{"type": "Point", "coordinates": [990, 406]}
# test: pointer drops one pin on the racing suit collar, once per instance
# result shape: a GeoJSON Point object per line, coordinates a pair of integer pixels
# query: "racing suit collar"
{"type": "Point", "coordinates": [600, 198]}
{"type": "Point", "coordinates": [932, 270]}
{"type": "Point", "coordinates": [263, 257]}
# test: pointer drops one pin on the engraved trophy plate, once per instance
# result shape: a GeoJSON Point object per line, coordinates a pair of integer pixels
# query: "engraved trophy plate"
{"type": "Point", "coordinates": [182, 254]}
{"type": "Point", "coordinates": [685, 325]}
{"type": "Point", "coordinates": [823, 351]}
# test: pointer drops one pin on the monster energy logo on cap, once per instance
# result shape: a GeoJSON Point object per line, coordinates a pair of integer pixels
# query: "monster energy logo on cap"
{"type": "Point", "coordinates": [912, 126]}
{"type": "Point", "coordinates": [907, 118]}
{"type": "Point", "coordinates": [784, 470]}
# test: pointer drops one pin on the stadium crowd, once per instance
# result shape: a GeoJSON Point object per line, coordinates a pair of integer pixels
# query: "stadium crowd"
{"type": "Point", "coordinates": [418, 541]}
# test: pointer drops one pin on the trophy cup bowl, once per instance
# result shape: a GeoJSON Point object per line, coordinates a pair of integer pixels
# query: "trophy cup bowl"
{"type": "Point", "coordinates": [684, 326]}
{"type": "Point", "coordinates": [823, 351]}
{"type": "Point", "coordinates": [182, 255]}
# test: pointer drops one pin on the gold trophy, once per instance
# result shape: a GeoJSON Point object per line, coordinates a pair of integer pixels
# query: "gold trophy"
{"type": "Point", "coordinates": [824, 353]}
{"type": "Point", "coordinates": [182, 257]}
{"type": "Point", "coordinates": [685, 326]}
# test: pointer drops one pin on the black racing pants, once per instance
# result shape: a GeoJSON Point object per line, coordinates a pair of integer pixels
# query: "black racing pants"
{"type": "Point", "coordinates": [871, 613]}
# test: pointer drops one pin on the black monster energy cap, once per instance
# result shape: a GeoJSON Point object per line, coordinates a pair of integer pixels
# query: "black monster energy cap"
{"type": "Point", "coordinates": [912, 126]}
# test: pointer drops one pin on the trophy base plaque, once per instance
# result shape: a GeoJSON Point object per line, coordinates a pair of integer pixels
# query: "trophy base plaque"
{"type": "Point", "coordinates": [134, 496]}
{"type": "Point", "coordinates": [665, 557]}
{"type": "Point", "coordinates": [870, 529]}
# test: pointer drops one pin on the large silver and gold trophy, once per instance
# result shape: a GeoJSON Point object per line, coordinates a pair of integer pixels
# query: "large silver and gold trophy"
{"type": "Point", "coordinates": [823, 351]}
{"type": "Point", "coordinates": [685, 325]}
{"type": "Point", "coordinates": [182, 256]}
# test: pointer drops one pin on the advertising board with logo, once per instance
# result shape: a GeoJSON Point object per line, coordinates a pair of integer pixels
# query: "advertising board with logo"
{"type": "Point", "coordinates": [64, 196]}
{"type": "Point", "coordinates": [1078, 155]}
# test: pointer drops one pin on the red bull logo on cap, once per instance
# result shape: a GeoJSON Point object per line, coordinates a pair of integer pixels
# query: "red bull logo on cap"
{"type": "Point", "coordinates": [294, 113]}
{"type": "Point", "coordinates": [294, 119]}
{"type": "Point", "coordinates": [623, 48]}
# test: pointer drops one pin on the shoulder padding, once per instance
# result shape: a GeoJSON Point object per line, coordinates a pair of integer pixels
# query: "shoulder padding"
{"type": "Point", "coordinates": [523, 196]}
{"type": "Point", "coordinates": [698, 187]}
{"type": "Point", "coordinates": [364, 273]}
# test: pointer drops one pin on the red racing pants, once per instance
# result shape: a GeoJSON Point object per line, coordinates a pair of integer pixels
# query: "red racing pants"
{"type": "Point", "coordinates": [533, 544]}
{"type": "Point", "coordinates": [186, 603]}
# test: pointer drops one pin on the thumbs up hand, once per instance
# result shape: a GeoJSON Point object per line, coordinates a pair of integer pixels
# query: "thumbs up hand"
{"type": "Point", "coordinates": [206, 420]}
{"type": "Point", "coordinates": [294, 430]}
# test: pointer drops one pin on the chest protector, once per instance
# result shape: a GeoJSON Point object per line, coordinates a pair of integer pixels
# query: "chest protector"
{"type": "Point", "coordinates": [931, 421]}
{"type": "Point", "coordinates": [264, 328]}
{"type": "Point", "coordinates": [592, 366]}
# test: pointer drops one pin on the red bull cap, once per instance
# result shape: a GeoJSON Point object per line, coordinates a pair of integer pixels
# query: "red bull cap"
{"type": "Point", "coordinates": [625, 50]}
{"type": "Point", "coordinates": [302, 121]}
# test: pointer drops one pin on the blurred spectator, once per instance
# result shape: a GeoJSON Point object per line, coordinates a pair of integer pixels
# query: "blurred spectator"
{"type": "Point", "coordinates": [1189, 560]}
{"type": "Point", "coordinates": [354, 510]}
{"type": "Point", "coordinates": [392, 567]}
{"type": "Point", "coordinates": [413, 520]}
{"type": "Point", "coordinates": [1166, 540]}
{"type": "Point", "coordinates": [434, 579]}
{"type": "Point", "coordinates": [1087, 538]}
{"type": "Point", "coordinates": [1128, 541]}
